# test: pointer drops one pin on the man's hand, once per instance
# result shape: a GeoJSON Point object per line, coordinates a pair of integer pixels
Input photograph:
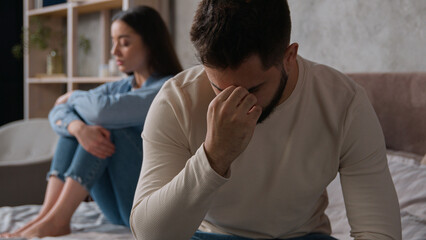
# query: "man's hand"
{"type": "Point", "coordinates": [94, 139]}
{"type": "Point", "coordinates": [231, 120]}
{"type": "Point", "coordinates": [63, 99]}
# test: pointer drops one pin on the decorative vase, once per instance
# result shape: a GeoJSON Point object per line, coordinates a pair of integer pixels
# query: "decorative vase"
{"type": "Point", "coordinates": [54, 63]}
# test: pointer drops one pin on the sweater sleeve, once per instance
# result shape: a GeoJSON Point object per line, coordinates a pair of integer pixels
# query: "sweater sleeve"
{"type": "Point", "coordinates": [370, 197]}
{"type": "Point", "coordinates": [175, 187]}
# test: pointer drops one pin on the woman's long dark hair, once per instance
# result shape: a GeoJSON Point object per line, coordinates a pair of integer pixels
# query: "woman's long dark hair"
{"type": "Point", "coordinates": [148, 24]}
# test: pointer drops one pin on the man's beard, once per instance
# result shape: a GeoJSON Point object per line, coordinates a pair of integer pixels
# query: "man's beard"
{"type": "Point", "coordinates": [266, 111]}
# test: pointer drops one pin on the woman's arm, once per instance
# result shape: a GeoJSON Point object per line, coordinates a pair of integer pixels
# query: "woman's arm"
{"type": "Point", "coordinates": [63, 114]}
{"type": "Point", "coordinates": [94, 139]}
{"type": "Point", "coordinates": [114, 110]}
{"type": "Point", "coordinates": [60, 117]}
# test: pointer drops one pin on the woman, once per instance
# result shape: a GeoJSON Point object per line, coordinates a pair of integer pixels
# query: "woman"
{"type": "Point", "coordinates": [100, 149]}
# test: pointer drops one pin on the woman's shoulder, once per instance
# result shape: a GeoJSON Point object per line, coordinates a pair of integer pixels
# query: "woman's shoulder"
{"type": "Point", "coordinates": [156, 81]}
{"type": "Point", "coordinates": [122, 85]}
{"type": "Point", "coordinates": [162, 79]}
{"type": "Point", "coordinates": [127, 80]}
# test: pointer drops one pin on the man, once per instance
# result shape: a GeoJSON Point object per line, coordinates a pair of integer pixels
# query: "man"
{"type": "Point", "coordinates": [244, 146]}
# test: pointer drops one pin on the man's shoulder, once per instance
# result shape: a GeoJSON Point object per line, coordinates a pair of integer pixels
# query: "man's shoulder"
{"type": "Point", "coordinates": [327, 77]}
{"type": "Point", "coordinates": [191, 81]}
{"type": "Point", "coordinates": [185, 99]}
{"type": "Point", "coordinates": [191, 85]}
{"type": "Point", "coordinates": [190, 76]}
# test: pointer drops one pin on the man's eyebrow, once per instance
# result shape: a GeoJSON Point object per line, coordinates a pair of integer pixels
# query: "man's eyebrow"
{"type": "Point", "coordinates": [214, 85]}
{"type": "Point", "coordinates": [249, 90]}
{"type": "Point", "coordinates": [252, 89]}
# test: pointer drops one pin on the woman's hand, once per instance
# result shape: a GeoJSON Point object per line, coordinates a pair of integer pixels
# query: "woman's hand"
{"type": "Point", "coordinates": [63, 99]}
{"type": "Point", "coordinates": [94, 139]}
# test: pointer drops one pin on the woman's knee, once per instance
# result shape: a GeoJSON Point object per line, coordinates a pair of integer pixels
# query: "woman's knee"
{"type": "Point", "coordinates": [127, 138]}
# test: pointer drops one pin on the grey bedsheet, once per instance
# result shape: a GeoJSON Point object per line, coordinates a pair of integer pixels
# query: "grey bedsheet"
{"type": "Point", "coordinates": [409, 177]}
{"type": "Point", "coordinates": [407, 173]}
{"type": "Point", "coordinates": [87, 223]}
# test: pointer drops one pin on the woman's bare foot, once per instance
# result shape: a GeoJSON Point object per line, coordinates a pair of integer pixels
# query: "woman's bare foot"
{"type": "Point", "coordinates": [53, 190]}
{"type": "Point", "coordinates": [21, 229]}
{"type": "Point", "coordinates": [4, 235]}
{"type": "Point", "coordinates": [44, 228]}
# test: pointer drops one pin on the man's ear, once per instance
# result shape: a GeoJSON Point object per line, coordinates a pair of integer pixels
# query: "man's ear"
{"type": "Point", "coordinates": [290, 56]}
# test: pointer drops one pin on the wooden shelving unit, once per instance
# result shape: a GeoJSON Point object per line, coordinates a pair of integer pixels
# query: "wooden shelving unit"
{"type": "Point", "coordinates": [56, 10]}
{"type": "Point", "coordinates": [41, 90]}
{"type": "Point", "coordinates": [95, 79]}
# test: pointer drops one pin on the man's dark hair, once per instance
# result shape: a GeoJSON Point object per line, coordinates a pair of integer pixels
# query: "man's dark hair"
{"type": "Point", "coordinates": [150, 26]}
{"type": "Point", "coordinates": [226, 32]}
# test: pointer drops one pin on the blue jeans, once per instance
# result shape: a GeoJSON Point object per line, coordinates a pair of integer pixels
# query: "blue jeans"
{"type": "Point", "coordinates": [111, 181]}
{"type": "Point", "coordinates": [214, 236]}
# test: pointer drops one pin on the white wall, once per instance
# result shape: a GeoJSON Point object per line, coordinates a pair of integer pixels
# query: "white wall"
{"type": "Point", "coordinates": [88, 27]}
{"type": "Point", "coordinates": [350, 35]}
{"type": "Point", "coordinates": [184, 14]}
{"type": "Point", "coordinates": [362, 36]}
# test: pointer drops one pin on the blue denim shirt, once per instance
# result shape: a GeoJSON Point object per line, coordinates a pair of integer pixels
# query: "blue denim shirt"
{"type": "Point", "coordinates": [112, 105]}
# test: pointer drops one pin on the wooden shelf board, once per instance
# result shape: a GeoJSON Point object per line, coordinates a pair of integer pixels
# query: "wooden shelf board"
{"type": "Point", "coordinates": [48, 80]}
{"type": "Point", "coordinates": [54, 10]}
{"type": "Point", "coordinates": [94, 79]}
{"type": "Point", "coordinates": [96, 5]}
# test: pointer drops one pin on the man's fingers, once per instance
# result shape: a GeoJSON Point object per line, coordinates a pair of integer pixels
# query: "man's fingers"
{"type": "Point", "coordinates": [247, 103]}
{"type": "Point", "coordinates": [222, 96]}
{"type": "Point", "coordinates": [255, 112]}
{"type": "Point", "coordinates": [237, 96]}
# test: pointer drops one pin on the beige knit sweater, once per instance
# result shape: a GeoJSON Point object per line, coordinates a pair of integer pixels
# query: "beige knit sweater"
{"type": "Point", "coordinates": [276, 188]}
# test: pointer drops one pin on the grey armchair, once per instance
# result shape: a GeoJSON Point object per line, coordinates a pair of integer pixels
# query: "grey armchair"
{"type": "Point", "coordinates": [26, 150]}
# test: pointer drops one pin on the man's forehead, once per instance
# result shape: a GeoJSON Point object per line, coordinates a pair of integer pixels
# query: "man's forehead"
{"type": "Point", "coordinates": [245, 77]}
{"type": "Point", "coordinates": [220, 79]}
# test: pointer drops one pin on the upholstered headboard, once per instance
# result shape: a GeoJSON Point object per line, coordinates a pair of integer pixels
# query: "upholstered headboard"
{"type": "Point", "coordinates": [399, 100]}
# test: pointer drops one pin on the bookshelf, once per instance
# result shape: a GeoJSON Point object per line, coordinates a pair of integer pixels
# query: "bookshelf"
{"type": "Point", "coordinates": [42, 89]}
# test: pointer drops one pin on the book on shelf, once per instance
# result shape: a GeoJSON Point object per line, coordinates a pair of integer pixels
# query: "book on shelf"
{"type": "Point", "coordinates": [52, 2]}
{"type": "Point", "coordinates": [38, 4]}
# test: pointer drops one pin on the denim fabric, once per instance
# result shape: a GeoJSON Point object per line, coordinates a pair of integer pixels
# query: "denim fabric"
{"type": "Point", "coordinates": [214, 236]}
{"type": "Point", "coordinates": [113, 105]}
{"type": "Point", "coordinates": [111, 181]}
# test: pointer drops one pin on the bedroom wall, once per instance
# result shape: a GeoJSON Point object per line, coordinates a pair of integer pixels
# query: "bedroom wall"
{"type": "Point", "coordinates": [352, 36]}
{"type": "Point", "coordinates": [88, 28]}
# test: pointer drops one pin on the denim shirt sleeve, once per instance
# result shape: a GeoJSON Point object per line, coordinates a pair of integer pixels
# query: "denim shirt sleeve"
{"type": "Point", "coordinates": [63, 114]}
{"type": "Point", "coordinates": [106, 88]}
{"type": "Point", "coordinates": [115, 109]}
{"type": "Point", "coordinates": [60, 117]}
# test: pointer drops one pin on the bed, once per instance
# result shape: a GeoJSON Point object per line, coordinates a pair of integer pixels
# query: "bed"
{"type": "Point", "coordinates": [399, 100]}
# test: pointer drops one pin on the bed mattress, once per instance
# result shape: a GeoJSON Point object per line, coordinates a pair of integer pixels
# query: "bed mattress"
{"type": "Point", "coordinates": [408, 175]}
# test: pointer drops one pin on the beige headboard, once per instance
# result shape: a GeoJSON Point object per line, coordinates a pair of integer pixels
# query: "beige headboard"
{"type": "Point", "coordinates": [399, 100]}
